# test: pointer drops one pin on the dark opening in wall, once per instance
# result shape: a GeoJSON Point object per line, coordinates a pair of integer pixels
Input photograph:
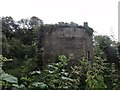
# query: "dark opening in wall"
{"type": "Point", "coordinates": [88, 55]}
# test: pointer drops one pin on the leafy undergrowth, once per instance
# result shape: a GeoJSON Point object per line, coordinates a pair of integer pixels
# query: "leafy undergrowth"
{"type": "Point", "coordinates": [89, 75]}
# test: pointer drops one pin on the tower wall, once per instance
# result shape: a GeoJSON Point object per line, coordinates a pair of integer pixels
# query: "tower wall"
{"type": "Point", "coordinates": [67, 40]}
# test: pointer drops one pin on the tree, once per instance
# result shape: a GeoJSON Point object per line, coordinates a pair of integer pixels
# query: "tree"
{"type": "Point", "coordinates": [108, 47]}
{"type": "Point", "coordinates": [8, 26]}
{"type": "Point", "coordinates": [35, 21]}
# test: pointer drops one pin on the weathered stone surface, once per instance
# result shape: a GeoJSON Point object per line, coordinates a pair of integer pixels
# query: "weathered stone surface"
{"type": "Point", "coordinates": [76, 40]}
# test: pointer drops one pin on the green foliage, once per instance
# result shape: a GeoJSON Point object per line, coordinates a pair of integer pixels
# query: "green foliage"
{"type": "Point", "coordinates": [39, 85]}
{"type": "Point", "coordinates": [108, 48]}
{"type": "Point", "coordinates": [9, 78]}
{"type": "Point", "coordinates": [56, 76]}
{"type": "Point", "coordinates": [8, 81]}
{"type": "Point", "coordinates": [114, 77]}
{"type": "Point", "coordinates": [90, 73]}
{"type": "Point", "coordinates": [94, 75]}
{"type": "Point", "coordinates": [102, 41]}
{"type": "Point", "coordinates": [4, 59]}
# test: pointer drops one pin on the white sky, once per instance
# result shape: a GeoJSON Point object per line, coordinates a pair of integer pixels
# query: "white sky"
{"type": "Point", "coordinates": [101, 15]}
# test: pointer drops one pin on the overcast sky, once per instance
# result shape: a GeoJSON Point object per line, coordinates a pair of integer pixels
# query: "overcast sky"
{"type": "Point", "coordinates": [101, 15]}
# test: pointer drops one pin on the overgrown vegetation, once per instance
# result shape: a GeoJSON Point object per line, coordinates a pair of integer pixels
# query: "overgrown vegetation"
{"type": "Point", "coordinates": [21, 62]}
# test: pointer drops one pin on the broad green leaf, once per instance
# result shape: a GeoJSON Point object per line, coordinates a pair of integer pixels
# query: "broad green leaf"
{"type": "Point", "coordinates": [9, 78]}
{"type": "Point", "coordinates": [39, 84]}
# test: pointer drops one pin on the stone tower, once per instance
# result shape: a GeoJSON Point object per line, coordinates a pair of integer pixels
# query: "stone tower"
{"type": "Point", "coordinates": [66, 39]}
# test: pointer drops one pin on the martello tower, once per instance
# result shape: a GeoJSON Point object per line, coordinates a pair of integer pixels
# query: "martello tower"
{"type": "Point", "coordinates": [66, 39]}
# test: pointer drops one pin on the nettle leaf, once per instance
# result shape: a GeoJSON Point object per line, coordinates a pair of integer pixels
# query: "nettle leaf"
{"type": "Point", "coordinates": [35, 72]}
{"type": "Point", "coordinates": [50, 71]}
{"type": "Point", "coordinates": [66, 78]}
{"type": "Point", "coordinates": [39, 84]}
{"type": "Point", "coordinates": [100, 78]}
{"type": "Point", "coordinates": [52, 67]}
{"type": "Point", "coordinates": [4, 59]}
{"type": "Point", "coordinates": [62, 58]}
{"type": "Point", "coordinates": [18, 86]}
{"type": "Point", "coordinates": [9, 78]}
{"type": "Point", "coordinates": [65, 73]}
